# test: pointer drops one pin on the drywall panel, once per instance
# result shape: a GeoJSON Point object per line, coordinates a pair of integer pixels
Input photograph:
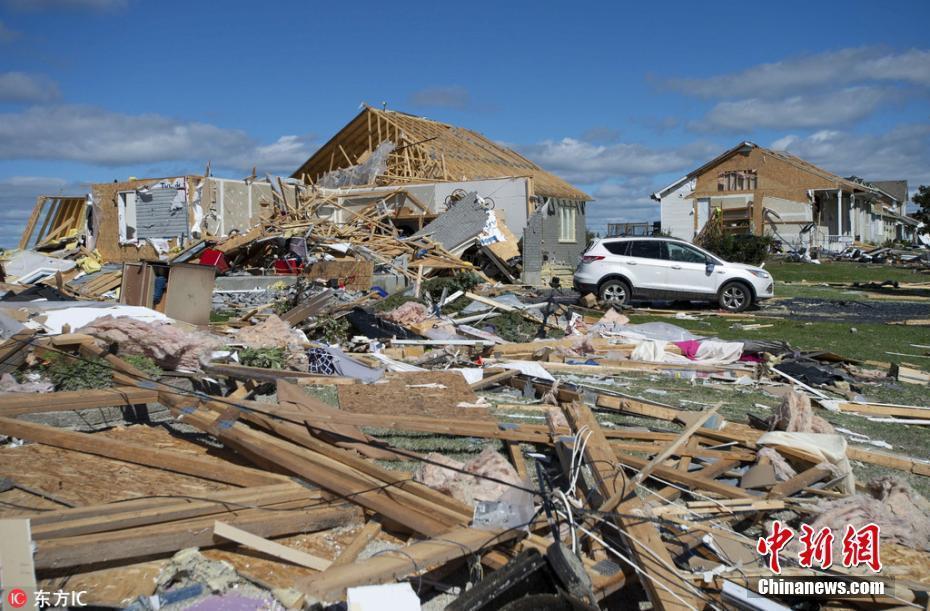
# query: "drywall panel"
{"type": "Point", "coordinates": [235, 197]}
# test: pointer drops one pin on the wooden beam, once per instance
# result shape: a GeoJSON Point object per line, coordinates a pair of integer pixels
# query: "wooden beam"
{"type": "Point", "coordinates": [207, 468]}
{"type": "Point", "coordinates": [26, 403]}
{"type": "Point", "coordinates": [146, 512]}
{"type": "Point", "coordinates": [152, 541]}
{"type": "Point", "coordinates": [671, 448]}
{"type": "Point", "coordinates": [412, 559]}
{"type": "Point", "coordinates": [355, 547]}
{"type": "Point", "coordinates": [263, 545]}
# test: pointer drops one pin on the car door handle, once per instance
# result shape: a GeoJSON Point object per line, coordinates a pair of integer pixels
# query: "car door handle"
{"type": "Point", "coordinates": [676, 267]}
{"type": "Point", "coordinates": [631, 262]}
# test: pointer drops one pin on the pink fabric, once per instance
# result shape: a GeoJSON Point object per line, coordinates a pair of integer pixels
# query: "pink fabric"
{"type": "Point", "coordinates": [689, 348]}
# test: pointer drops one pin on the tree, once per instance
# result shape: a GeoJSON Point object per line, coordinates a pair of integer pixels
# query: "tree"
{"type": "Point", "coordinates": [922, 199]}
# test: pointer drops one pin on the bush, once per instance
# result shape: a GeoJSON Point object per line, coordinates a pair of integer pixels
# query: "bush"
{"type": "Point", "coordinates": [266, 358]}
{"type": "Point", "coordinates": [749, 249]}
{"type": "Point", "coordinates": [144, 364]}
{"type": "Point", "coordinates": [332, 330]}
{"type": "Point", "coordinates": [70, 373]}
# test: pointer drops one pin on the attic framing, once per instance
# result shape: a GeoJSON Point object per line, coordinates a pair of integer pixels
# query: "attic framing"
{"type": "Point", "coordinates": [427, 151]}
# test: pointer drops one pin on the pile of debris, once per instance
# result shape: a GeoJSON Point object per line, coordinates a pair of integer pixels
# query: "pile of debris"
{"type": "Point", "coordinates": [290, 456]}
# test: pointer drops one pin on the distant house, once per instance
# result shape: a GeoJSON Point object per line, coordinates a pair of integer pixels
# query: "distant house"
{"type": "Point", "coordinates": [766, 192]}
{"type": "Point", "coordinates": [434, 159]}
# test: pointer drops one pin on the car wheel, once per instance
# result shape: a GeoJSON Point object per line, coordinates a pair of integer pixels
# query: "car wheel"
{"type": "Point", "coordinates": [734, 297]}
{"type": "Point", "coordinates": [615, 292]}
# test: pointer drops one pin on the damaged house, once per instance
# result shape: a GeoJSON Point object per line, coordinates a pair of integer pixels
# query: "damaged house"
{"type": "Point", "coordinates": [514, 220]}
{"type": "Point", "coordinates": [752, 189]}
{"type": "Point", "coordinates": [438, 164]}
{"type": "Point", "coordinates": [142, 219]}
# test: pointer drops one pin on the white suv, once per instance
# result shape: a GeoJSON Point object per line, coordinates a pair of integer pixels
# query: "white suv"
{"type": "Point", "coordinates": [619, 270]}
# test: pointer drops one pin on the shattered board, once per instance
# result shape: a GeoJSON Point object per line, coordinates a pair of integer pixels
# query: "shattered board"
{"type": "Point", "coordinates": [418, 393]}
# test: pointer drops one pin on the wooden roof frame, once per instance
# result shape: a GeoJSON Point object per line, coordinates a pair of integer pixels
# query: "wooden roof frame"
{"type": "Point", "coordinates": [428, 151]}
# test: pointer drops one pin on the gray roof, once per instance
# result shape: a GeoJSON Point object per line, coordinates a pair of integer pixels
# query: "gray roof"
{"type": "Point", "coordinates": [895, 188]}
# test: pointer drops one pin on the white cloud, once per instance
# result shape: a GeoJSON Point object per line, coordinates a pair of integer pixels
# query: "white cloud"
{"type": "Point", "coordinates": [18, 197]}
{"type": "Point", "coordinates": [584, 162]}
{"type": "Point", "coordinates": [22, 87]}
{"type": "Point", "coordinates": [821, 71]}
{"type": "Point", "coordinates": [93, 135]}
{"type": "Point", "coordinates": [901, 153]}
{"type": "Point", "coordinates": [79, 5]}
{"type": "Point", "coordinates": [622, 202]}
{"type": "Point", "coordinates": [455, 97]}
{"type": "Point", "coordinates": [809, 111]}
{"type": "Point", "coordinates": [7, 35]}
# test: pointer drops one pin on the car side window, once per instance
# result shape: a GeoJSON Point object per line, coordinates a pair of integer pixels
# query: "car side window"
{"type": "Point", "coordinates": [684, 254]}
{"type": "Point", "coordinates": [647, 249]}
{"type": "Point", "coordinates": [617, 248]}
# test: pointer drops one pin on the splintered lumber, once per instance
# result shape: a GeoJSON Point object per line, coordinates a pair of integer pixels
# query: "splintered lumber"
{"type": "Point", "coordinates": [13, 350]}
{"type": "Point", "coordinates": [145, 512]}
{"type": "Point", "coordinates": [345, 436]}
{"type": "Point", "coordinates": [164, 539]}
{"type": "Point", "coordinates": [644, 408]}
{"type": "Point", "coordinates": [29, 403]}
{"type": "Point", "coordinates": [375, 495]}
{"type": "Point", "coordinates": [283, 552]}
{"type": "Point", "coordinates": [355, 547]}
{"type": "Point", "coordinates": [495, 379]}
{"type": "Point", "coordinates": [207, 468]}
{"type": "Point", "coordinates": [661, 580]}
{"type": "Point", "coordinates": [885, 409]}
{"type": "Point", "coordinates": [910, 375]}
{"type": "Point", "coordinates": [670, 450]}
{"type": "Point", "coordinates": [402, 486]}
{"type": "Point", "coordinates": [695, 482]}
{"type": "Point", "coordinates": [241, 372]}
{"type": "Point", "coordinates": [799, 482]}
{"type": "Point", "coordinates": [394, 566]}
{"type": "Point", "coordinates": [893, 461]}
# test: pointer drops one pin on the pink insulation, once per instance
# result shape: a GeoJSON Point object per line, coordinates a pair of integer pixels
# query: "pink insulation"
{"type": "Point", "coordinates": [170, 347]}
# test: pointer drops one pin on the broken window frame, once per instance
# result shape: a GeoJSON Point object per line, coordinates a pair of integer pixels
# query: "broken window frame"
{"type": "Point", "coordinates": [737, 180]}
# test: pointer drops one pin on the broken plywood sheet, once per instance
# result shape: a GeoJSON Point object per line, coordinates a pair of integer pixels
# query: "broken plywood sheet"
{"type": "Point", "coordinates": [84, 479]}
{"type": "Point", "coordinates": [190, 293]}
{"type": "Point", "coordinates": [354, 273]}
{"type": "Point", "coordinates": [419, 393]}
{"type": "Point", "coordinates": [509, 247]}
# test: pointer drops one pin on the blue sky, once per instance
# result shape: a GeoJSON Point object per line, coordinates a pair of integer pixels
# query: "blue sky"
{"type": "Point", "coordinates": [618, 98]}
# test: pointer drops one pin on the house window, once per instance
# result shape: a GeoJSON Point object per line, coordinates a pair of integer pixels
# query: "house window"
{"type": "Point", "coordinates": [738, 180]}
{"type": "Point", "coordinates": [567, 212]}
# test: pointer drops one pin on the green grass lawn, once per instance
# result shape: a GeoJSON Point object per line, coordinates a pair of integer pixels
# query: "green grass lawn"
{"type": "Point", "coordinates": [839, 271]}
{"type": "Point", "coordinates": [871, 341]}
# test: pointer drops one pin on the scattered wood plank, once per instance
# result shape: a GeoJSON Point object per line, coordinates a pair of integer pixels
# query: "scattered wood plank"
{"type": "Point", "coordinates": [351, 551]}
{"type": "Point", "coordinates": [288, 554]}
{"type": "Point", "coordinates": [410, 560]}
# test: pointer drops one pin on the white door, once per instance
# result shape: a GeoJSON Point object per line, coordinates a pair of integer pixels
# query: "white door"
{"type": "Point", "coordinates": [647, 263]}
{"type": "Point", "coordinates": [687, 270]}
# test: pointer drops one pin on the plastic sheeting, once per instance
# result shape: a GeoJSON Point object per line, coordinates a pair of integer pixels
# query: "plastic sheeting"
{"type": "Point", "coordinates": [361, 174]}
{"type": "Point", "coordinates": [708, 352]}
